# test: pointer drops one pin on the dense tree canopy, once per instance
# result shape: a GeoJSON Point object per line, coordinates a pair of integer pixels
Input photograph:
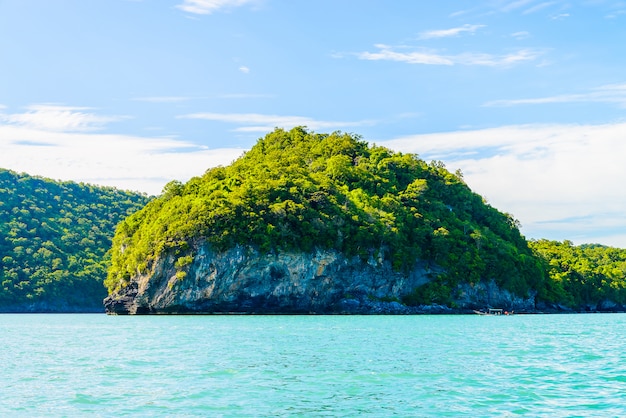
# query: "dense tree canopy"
{"type": "Point", "coordinates": [54, 237]}
{"type": "Point", "coordinates": [298, 190]}
{"type": "Point", "coordinates": [583, 275]}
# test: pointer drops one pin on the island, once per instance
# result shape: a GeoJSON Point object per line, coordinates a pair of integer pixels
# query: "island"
{"type": "Point", "coordinates": [318, 223]}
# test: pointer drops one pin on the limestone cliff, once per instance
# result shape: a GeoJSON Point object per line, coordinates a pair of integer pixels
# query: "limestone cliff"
{"type": "Point", "coordinates": [242, 280]}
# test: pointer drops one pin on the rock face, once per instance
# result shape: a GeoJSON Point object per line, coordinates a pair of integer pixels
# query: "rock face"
{"type": "Point", "coordinates": [241, 280]}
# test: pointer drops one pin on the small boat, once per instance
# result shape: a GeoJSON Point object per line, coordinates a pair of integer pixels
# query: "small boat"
{"type": "Point", "coordinates": [493, 312]}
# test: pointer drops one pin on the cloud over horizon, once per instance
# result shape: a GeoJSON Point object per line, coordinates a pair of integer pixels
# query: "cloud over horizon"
{"type": "Point", "coordinates": [70, 149]}
{"type": "Point", "coordinates": [613, 93]}
{"type": "Point", "coordinates": [543, 174]}
{"type": "Point", "coordinates": [59, 118]}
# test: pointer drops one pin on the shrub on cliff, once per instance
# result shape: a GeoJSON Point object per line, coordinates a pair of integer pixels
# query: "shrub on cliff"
{"type": "Point", "coordinates": [298, 190]}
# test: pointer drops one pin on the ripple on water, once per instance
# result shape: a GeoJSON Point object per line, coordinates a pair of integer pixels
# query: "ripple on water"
{"type": "Point", "coordinates": [436, 366]}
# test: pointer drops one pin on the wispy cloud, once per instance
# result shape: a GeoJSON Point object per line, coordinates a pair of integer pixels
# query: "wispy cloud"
{"type": "Point", "coordinates": [614, 93]}
{"type": "Point", "coordinates": [162, 99]}
{"type": "Point", "coordinates": [255, 122]}
{"type": "Point", "coordinates": [520, 35]}
{"type": "Point", "coordinates": [509, 6]}
{"type": "Point", "coordinates": [445, 33]}
{"type": "Point", "coordinates": [429, 57]}
{"type": "Point", "coordinates": [458, 13]}
{"type": "Point", "coordinates": [423, 56]}
{"type": "Point", "coordinates": [527, 7]}
{"type": "Point", "coordinates": [244, 69]}
{"type": "Point", "coordinates": [59, 118]}
{"type": "Point", "coordinates": [560, 16]}
{"type": "Point", "coordinates": [206, 7]}
{"type": "Point", "coordinates": [524, 7]}
{"type": "Point", "coordinates": [537, 7]}
{"type": "Point", "coordinates": [616, 13]}
{"type": "Point", "coordinates": [542, 174]}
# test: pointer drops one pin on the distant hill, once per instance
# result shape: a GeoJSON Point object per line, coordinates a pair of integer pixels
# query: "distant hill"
{"type": "Point", "coordinates": [586, 277]}
{"type": "Point", "coordinates": [54, 238]}
{"type": "Point", "coordinates": [300, 192]}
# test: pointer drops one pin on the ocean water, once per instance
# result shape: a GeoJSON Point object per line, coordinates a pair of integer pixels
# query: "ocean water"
{"type": "Point", "coordinates": [310, 366]}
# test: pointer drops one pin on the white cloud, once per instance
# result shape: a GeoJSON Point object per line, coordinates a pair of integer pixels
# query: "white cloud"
{"type": "Point", "coordinates": [386, 53]}
{"type": "Point", "coordinates": [445, 33]}
{"type": "Point", "coordinates": [244, 69]}
{"type": "Point", "coordinates": [206, 7]}
{"type": "Point", "coordinates": [506, 60]}
{"type": "Point", "coordinates": [520, 35]}
{"type": "Point", "coordinates": [458, 13]}
{"type": "Point", "coordinates": [59, 118]}
{"type": "Point", "coordinates": [422, 56]}
{"type": "Point", "coordinates": [560, 181]}
{"type": "Point", "coordinates": [255, 122]}
{"type": "Point", "coordinates": [68, 151]}
{"type": "Point", "coordinates": [613, 93]}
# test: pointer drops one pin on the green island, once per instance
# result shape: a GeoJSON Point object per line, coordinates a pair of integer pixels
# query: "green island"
{"type": "Point", "coordinates": [302, 222]}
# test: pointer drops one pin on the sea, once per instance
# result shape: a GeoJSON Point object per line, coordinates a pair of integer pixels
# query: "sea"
{"type": "Point", "coordinates": [93, 365]}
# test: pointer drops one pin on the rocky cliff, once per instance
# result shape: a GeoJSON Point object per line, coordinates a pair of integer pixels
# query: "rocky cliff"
{"type": "Point", "coordinates": [242, 280]}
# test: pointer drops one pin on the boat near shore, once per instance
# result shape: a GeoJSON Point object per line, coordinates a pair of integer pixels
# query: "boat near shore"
{"type": "Point", "coordinates": [493, 312]}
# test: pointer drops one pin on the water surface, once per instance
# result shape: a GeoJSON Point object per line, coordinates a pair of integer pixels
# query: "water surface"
{"type": "Point", "coordinates": [423, 366]}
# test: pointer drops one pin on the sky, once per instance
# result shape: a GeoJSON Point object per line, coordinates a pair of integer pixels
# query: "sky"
{"type": "Point", "coordinates": [526, 97]}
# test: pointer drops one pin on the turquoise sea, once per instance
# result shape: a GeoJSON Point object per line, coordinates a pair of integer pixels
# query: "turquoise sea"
{"type": "Point", "coordinates": [406, 366]}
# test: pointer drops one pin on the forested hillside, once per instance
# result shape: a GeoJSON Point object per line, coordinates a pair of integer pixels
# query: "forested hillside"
{"type": "Point", "coordinates": [588, 276]}
{"type": "Point", "coordinates": [298, 190]}
{"type": "Point", "coordinates": [54, 238]}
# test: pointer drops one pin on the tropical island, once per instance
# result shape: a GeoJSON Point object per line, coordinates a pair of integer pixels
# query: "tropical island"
{"type": "Point", "coordinates": [303, 222]}
{"type": "Point", "coordinates": [325, 223]}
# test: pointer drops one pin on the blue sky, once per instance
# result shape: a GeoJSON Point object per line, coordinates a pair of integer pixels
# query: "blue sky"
{"type": "Point", "coordinates": [526, 97]}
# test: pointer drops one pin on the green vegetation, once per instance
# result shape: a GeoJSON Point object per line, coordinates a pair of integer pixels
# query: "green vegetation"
{"type": "Point", "coordinates": [582, 275]}
{"type": "Point", "coordinates": [298, 190]}
{"type": "Point", "coordinates": [293, 191]}
{"type": "Point", "coordinates": [54, 238]}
